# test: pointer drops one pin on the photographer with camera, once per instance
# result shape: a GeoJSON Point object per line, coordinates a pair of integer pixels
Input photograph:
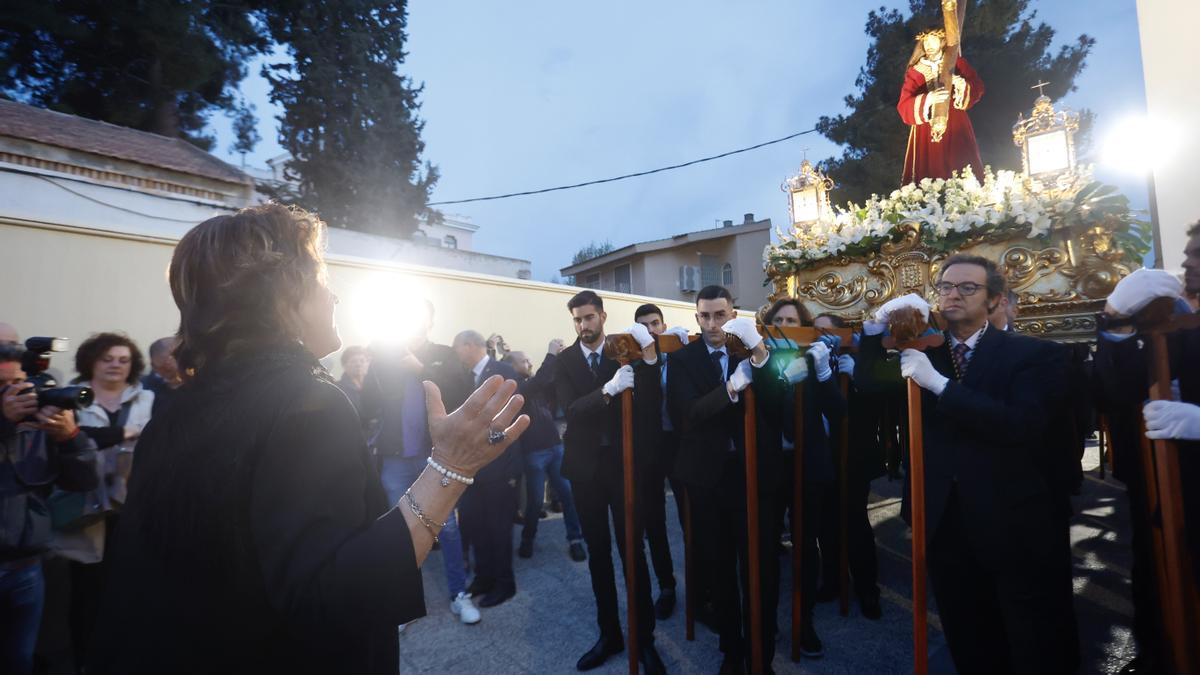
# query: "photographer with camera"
{"type": "Point", "coordinates": [42, 449]}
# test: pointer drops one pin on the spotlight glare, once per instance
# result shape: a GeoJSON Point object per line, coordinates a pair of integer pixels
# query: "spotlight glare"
{"type": "Point", "coordinates": [386, 309]}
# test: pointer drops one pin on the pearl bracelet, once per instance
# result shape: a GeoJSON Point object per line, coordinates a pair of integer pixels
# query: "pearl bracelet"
{"type": "Point", "coordinates": [447, 474]}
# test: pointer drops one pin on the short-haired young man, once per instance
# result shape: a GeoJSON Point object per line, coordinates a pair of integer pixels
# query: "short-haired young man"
{"type": "Point", "coordinates": [589, 386]}
{"type": "Point", "coordinates": [997, 536]}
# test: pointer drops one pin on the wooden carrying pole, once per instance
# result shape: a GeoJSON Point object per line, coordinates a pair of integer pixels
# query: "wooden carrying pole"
{"type": "Point", "coordinates": [1179, 597]}
{"type": "Point", "coordinates": [844, 502]}
{"type": "Point", "coordinates": [624, 349]}
{"type": "Point", "coordinates": [752, 533]}
{"type": "Point", "coordinates": [666, 345]}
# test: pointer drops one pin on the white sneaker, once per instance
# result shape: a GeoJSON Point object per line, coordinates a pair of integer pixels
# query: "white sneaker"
{"type": "Point", "coordinates": [465, 609]}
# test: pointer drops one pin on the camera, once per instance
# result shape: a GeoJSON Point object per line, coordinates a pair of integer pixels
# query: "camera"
{"type": "Point", "coordinates": [35, 359]}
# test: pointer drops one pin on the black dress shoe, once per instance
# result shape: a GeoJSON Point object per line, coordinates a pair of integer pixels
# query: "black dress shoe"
{"type": "Point", "coordinates": [731, 666]}
{"type": "Point", "coordinates": [652, 664]}
{"type": "Point", "coordinates": [525, 550]}
{"type": "Point", "coordinates": [869, 604]}
{"type": "Point", "coordinates": [706, 614]}
{"type": "Point", "coordinates": [497, 595]}
{"type": "Point", "coordinates": [810, 644]}
{"type": "Point", "coordinates": [598, 654]}
{"type": "Point", "coordinates": [480, 585]}
{"type": "Point", "coordinates": [578, 553]}
{"type": "Point", "coordinates": [665, 605]}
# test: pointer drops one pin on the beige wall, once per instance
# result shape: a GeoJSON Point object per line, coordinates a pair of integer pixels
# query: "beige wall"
{"type": "Point", "coordinates": [71, 282]}
{"type": "Point", "coordinates": [1169, 56]}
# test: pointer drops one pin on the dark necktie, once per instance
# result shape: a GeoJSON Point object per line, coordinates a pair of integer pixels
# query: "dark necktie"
{"type": "Point", "coordinates": [594, 363]}
{"type": "Point", "coordinates": [716, 359]}
{"type": "Point", "coordinates": [960, 359]}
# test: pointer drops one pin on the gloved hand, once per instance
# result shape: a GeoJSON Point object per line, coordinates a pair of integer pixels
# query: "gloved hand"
{"type": "Point", "coordinates": [621, 380]}
{"type": "Point", "coordinates": [641, 334]}
{"type": "Point", "coordinates": [820, 356]}
{"type": "Point", "coordinates": [745, 329]}
{"type": "Point", "coordinates": [796, 371]}
{"type": "Point", "coordinates": [679, 332]}
{"type": "Point", "coordinates": [916, 365]}
{"type": "Point", "coordinates": [740, 379]}
{"type": "Point", "coordinates": [1172, 419]}
{"type": "Point", "coordinates": [846, 364]}
{"type": "Point", "coordinates": [1137, 290]}
{"type": "Point", "coordinates": [879, 322]}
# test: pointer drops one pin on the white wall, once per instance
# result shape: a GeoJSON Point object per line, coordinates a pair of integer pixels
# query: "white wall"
{"type": "Point", "coordinates": [1170, 54]}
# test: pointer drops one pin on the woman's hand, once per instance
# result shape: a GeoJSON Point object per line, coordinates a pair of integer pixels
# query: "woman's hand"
{"type": "Point", "coordinates": [460, 439]}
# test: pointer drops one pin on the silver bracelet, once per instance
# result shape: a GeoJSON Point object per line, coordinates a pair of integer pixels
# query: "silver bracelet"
{"type": "Point", "coordinates": [447, 474]}
{"type": "Point", "coordinates": [425, 520]}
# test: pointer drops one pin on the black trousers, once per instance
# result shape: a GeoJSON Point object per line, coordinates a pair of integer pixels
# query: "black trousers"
{"type": "Point", "coordinates": [654, 509]}
{"type": "Point", "coordinates": [719, 521]}
{"type": "Point", "coordinates": [1008, 611]}
{"type": "Point", "coordinates": [1147, 610]}
{"type": "Point", "coordinates": [595, 499]}
{"type": "Point", "coordinates": [486, 511]}
{"type": "Point", "coordinates": [860, 538]}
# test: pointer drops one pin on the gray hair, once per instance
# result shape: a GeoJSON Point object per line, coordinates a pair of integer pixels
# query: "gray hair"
{"type": "Point", "coordinates": [470, 337]}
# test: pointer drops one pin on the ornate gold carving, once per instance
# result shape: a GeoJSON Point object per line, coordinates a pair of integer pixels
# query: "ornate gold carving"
{"type": "Point", "coordinates": [829, 290]}
{"type": "Point", "coordinates": [1023, 266]}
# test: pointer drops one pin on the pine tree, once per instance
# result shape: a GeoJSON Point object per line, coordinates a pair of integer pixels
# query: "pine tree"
{"type": "Point", "coordinates": [349, 118]}
{"type": "Point", "coordinates": [1005, 45]}
{"type": "Point", "coordinates": [161, 67]}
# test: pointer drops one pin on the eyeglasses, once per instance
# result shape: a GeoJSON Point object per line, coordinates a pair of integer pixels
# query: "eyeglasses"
{"type": "Point", "coordinates": [965, 288]}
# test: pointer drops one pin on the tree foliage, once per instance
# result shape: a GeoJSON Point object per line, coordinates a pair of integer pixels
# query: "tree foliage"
{"type": "Point", "coordinates": [591, 250]}
{"type": "Point", "coordinates": [350, 120]}
{"type": "Point", "coordinates": [1006, 45]}
{"type": "Point", "coordinates": [161, 67]}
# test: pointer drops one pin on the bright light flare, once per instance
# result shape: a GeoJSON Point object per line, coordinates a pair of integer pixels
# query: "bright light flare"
{"type": "Point", "coordinates": [1138, 144]}
{"type": "Point", "coordinates": [387, 309]}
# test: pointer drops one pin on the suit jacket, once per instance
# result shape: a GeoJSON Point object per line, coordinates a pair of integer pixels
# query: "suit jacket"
{"type": "Point", "coordinates": [593, 432]}
{"type": "Point", "coordinates": [987, 433]}
{"type": "Point", "coordinates": [538, 391]}
{"type": "Point", "coordinates": [508, 465]}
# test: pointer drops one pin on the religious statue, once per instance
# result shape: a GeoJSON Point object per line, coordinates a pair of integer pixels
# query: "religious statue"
{"type": "Point", "coordinates": [934, 103]}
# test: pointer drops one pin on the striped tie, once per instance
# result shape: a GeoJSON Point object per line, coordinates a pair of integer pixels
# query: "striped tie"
{"type": "Point", "coordinates": [960, 359]}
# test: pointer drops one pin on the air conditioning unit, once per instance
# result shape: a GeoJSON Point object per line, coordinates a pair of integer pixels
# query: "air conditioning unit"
{"type": "Point", "coordinates": [689, 278]}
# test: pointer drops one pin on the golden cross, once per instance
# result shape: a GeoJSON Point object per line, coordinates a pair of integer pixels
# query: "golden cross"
{"type": "Point", "coordinates": [1039, 87]}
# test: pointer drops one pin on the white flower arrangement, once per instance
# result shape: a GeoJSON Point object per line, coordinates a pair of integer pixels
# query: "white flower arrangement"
{"type": "Point", "coordinates": [949, 211]}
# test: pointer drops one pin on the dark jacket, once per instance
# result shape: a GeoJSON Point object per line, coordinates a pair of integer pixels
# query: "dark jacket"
{"type": "Point", "coordinates": [257, 537]}
{"type": "Point", "coordinates": [509, 465]}
{"type": "Point", "coordinates": [593, 426]}
{"type": "Point", "coordinates": [986, 433]}
{"type": "Point", "coordinates": [31, 466]}
{"type": "Point", "coordinates": [163, 393]}
{"type": "Point", "coordinates": [538, 391]}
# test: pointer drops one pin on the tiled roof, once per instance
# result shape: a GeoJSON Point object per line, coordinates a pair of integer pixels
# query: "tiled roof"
{"type": "Point", "coordinates": [109, 140]}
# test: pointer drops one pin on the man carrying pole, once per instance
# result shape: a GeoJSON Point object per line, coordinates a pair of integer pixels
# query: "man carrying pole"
{"type": "Point", "coordinates": [997, 538]}
{"type": "Point", "coordinates": [589, 386]}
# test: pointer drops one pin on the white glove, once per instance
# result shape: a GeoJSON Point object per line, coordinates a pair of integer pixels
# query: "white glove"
{"type": "Point", "coordinates": [846, 364]}
{"type": "Point", "coordinates": [820, 354]}
{"type": "Point", "coordinates": [796, 371]}
{"type": "Point", "coordinates": [916, 365]}
{"type": "Point", "coordinates": [1172, 419]}
{"type": "Point", "coordinates": [622, 380]}
{"type": "Point", "coordinates": [910, 300]}
{"type": "Point", "coordinates": [555, 346]}
{"type": "Point", "coordinates": [1137, 290]}
{"type": "Point", "coordinates": [641, 334]}
{"type": "Point", "coordinates": [739, 380]}
{"type": "Point", "coordinates": [745, 329]}
{"type": "Point", "coordinates": [679, 332]}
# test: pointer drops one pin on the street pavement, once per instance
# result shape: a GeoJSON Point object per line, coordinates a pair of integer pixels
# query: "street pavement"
{"type": "Point", "coordinates": [551, 621]}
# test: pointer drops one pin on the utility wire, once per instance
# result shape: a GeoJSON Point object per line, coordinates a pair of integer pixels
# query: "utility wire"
{"type": "Point", "coordinates": [628, 175]}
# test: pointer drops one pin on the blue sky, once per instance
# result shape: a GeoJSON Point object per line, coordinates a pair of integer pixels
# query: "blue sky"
{"type": "Point", "coordinates": [537, 93]}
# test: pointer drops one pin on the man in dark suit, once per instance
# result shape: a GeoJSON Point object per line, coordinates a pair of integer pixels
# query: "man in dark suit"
{"type": "Point", "coordinates": [704, 385]}
{"type": "Point", "coordinates": [588, 386]}
{"type": "Point", "coordinates": [164, 377]}
{"type": "Point", "coordinates": [1122, 369]}
{"type": "Point", "coordinates": [488, 506]}
{"type": "Point", "coordinates": [997, 533]}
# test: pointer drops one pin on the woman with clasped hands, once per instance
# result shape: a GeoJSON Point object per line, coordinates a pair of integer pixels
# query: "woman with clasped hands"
{"type": "Point", "coordinates": [257, 537]}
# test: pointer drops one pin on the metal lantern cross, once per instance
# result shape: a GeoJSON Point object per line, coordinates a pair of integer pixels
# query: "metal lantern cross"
{"type": "Point", "coordinates": [808, 195]}
{"type": "Point", "coordinates": [1047, 142]}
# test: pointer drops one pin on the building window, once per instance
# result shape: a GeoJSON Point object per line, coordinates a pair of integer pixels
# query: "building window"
{"type": "Point", "coordinates": [710, 270]}
{"type": "Point", "coordinates": [624, 279]}
{"type": "Point", "coordinates": [451, 241]}
{"type": "Point", "coordinates": [727, 275]}
{"type": "Point", "coordinates": [592, 281]}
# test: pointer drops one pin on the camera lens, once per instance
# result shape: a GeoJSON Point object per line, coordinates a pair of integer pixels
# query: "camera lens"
{"type": "Point", "coordinates": [67, 398]}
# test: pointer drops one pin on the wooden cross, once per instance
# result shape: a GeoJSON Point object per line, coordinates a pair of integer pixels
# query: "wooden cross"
{"type": "Point", "coordinates": [1039, 86]}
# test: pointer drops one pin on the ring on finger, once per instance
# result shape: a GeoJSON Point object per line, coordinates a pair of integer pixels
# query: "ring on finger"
{"type": "Point", "coordinates": [495, 437]}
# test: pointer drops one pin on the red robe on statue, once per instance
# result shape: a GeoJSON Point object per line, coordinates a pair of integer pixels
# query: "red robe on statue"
{"type": "Point", "coordinates": [957, 148]}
